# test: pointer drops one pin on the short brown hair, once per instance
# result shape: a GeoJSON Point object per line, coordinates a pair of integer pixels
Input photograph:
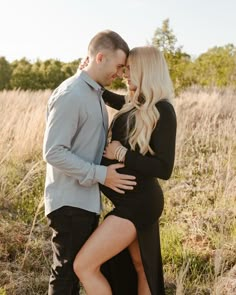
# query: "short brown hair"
{"type": "Point", "coordinates": [107, 40]}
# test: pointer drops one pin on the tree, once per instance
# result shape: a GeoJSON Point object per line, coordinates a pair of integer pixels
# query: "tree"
{"type": "Point", "coordinates": [179, 62]}
{"type": "Point", "coordinates": [70, 68]}
{"type": "Point", "coordinates": [216, 67]}
{"type": "Point", "coordinates": [5, 73]}
{"type": "Point", "coordinates": [164, 38]}
{"type": "Point", "coordinates": [51, 73]}
{"type": "Point", "coordinates": [38, 82]}
{"type": "Point", "coordinates": [22, 76]}
{"type": "Point", "coordinates": [41, 74]}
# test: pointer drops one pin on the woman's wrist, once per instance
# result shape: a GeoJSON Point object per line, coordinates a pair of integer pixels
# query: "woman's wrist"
{"type": "Point", "coordinates": [120, 153]}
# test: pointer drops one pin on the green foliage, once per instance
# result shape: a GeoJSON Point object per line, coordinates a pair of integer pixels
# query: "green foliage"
{"type": "Point", "coordinates": [22, 74]}
{"type": "Point", "coordinates": [25, 185]}
{"type": "Point", "coordinates": [118, 83]}
{"type": "Point", "coordinates": [51, 73]}
{"type": "Point", "coordinates": [179, 62]}
{"type": "Point", "coordinates": [5, 73]}
{"type": "Point", "coordinates": [164, 38]}
{"type": "Point", "coordinates": [216, 67]}
{"type": "Point", "coordinates": [70, 68]}
{"type": "Point", "coordinates": [172, 249]}
{"type": "Point", "coordinates": [180, 66]}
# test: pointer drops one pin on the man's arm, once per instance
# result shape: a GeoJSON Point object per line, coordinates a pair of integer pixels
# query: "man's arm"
{"type": "Point", "coordinates": [61, 127]}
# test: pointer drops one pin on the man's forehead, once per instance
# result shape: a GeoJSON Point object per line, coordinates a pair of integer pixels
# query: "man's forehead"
{"type": "Point", "coordinates": [121, 56]}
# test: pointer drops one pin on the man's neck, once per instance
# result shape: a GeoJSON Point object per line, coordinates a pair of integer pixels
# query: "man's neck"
{"type": "Point", "coordinates": [91, 73]}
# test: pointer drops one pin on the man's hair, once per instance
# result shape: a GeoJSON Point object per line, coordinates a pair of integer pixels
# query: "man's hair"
{"type": "Point", "coordinates": [107, 40]}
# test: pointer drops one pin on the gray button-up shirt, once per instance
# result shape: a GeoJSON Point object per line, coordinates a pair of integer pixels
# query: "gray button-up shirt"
{"type": "Point", "coordinates": [74, 142]}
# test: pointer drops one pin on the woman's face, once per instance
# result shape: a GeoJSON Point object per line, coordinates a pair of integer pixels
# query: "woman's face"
{"type": "Point", "coordinates": [132, 87]}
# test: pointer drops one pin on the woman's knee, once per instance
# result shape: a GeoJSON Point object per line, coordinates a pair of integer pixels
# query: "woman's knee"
{"type": "Point", "coordinates": [77, 266]}
{"type": "Point", "coordinates": [82, 267]}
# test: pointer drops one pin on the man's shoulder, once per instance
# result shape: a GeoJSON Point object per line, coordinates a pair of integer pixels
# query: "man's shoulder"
{"type": "Point", "coordinates": [71, 88]}
{"type": "Point", "coordinates": [71, 84]}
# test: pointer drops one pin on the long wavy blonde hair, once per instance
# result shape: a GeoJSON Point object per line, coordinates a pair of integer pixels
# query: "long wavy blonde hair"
{"type": "Point", "coordinates": [150, 76]}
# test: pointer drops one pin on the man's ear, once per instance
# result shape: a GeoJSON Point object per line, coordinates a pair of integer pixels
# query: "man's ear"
{"type": "Point", "coordinates": [99, 57]}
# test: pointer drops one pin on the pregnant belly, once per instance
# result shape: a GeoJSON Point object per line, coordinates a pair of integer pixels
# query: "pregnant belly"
{"type": "Point", "coordinates": [124, 170]}
{"type": "Point", "coordinates": [145, 188]}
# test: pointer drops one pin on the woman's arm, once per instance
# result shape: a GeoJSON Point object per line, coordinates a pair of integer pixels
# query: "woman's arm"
{"type": "Point", "coordinates": [162, 142]}
{"type": "Point", "coordinates": [113, 100]}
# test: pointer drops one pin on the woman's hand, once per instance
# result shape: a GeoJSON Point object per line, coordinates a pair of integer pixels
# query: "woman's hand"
{"type": "Point", "coordinates": [109, 152]}
{"type": "Point", "coordinates": [84, 63]}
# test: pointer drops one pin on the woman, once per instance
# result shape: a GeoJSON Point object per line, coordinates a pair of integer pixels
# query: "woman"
{"type": "Point", "coordinates": [143, 138]}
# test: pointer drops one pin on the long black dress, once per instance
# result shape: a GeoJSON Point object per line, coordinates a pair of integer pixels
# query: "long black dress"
{"type": "Point", "coordinates": [144, 204]}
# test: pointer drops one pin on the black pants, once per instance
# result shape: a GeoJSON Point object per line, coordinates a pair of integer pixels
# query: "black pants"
{"type": "Point", "coordinates": [71, 228]}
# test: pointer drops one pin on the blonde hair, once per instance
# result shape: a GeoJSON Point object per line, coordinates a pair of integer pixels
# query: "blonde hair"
{"type": "Point", "coordinates": [149, 73]}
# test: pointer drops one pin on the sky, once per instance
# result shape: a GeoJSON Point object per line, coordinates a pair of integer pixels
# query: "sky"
{"type": "Point", "coordinates": [62, 29]}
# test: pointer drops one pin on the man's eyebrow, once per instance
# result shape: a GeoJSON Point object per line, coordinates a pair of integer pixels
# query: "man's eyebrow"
{"type": "Point", "coordinates": [120, 66]}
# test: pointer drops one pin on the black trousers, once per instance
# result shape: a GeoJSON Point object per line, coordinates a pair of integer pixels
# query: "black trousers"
{"type": "Point", "coordinates": [71, 228]}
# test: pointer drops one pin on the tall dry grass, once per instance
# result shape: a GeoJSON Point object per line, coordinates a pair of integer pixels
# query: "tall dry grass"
{"type": "Point", "coordinates": [200, 198]}
{"type": "Point", "coordinates": [22, 122]}
{"type": "Point", "coordinates": [198, 226]}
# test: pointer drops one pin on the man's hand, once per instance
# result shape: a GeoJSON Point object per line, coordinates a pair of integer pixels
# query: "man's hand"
{"type": "Point", "coordinates": [119, 182]}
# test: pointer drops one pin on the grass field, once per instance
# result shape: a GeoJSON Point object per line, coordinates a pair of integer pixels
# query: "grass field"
{"type": "Point", "coordinates": [198, 226]}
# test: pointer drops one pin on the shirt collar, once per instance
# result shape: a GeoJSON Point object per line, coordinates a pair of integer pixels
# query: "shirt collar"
{"type": "Point", "coordinates": [84, 76]}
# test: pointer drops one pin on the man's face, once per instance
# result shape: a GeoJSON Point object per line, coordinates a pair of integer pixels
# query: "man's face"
{"type": "Point", "coordinates": [112, 66]}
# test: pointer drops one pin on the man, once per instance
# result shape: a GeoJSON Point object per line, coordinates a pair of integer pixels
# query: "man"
{"type": "Point", "coordinates": [74, 142]}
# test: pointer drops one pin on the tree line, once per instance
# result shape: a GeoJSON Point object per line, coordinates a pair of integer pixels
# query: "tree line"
{"type": "Point", "coordinates": [214, 68]}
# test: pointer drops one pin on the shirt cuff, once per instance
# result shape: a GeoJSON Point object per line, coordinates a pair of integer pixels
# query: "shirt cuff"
{"type": "Point", "coordinates": [100, 173]}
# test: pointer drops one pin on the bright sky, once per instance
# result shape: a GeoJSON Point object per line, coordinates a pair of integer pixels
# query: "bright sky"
{"type": "Point", "coordinates": [62, 29]}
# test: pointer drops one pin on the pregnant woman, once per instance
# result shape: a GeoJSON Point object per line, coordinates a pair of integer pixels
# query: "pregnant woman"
{"type": "Point", "coordinates": [142, 137]}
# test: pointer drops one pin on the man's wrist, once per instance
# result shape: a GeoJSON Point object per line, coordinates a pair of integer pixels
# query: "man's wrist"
{"type": "Point", "coordinates": [100, 173]}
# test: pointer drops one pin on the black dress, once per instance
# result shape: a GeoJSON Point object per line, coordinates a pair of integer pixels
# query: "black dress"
{"type": "Point", "coordinates": [144, 204]}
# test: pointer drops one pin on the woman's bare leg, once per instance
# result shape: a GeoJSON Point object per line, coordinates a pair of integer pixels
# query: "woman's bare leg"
{"type": "Point", "coordinates": [110, 238]}
{"type": "Point", "coordinates": [143, 288]}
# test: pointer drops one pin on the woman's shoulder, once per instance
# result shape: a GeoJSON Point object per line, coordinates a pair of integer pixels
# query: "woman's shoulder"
{"type": "Point", "coordinates": [165, 105]}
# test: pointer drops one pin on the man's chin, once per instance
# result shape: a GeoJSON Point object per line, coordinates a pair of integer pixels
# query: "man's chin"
{"type": "Point", "coordinates": [108, 83]}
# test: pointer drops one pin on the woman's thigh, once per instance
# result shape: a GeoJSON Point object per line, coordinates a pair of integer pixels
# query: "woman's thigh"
{"type": "Point", "coordinates": [111, 237]}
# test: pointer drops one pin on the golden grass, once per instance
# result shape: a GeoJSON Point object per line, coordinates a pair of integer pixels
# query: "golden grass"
{"type": "Point", "coordinates": [23, 116]}
{"type": "Point", "coordinates": [198, 226]}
